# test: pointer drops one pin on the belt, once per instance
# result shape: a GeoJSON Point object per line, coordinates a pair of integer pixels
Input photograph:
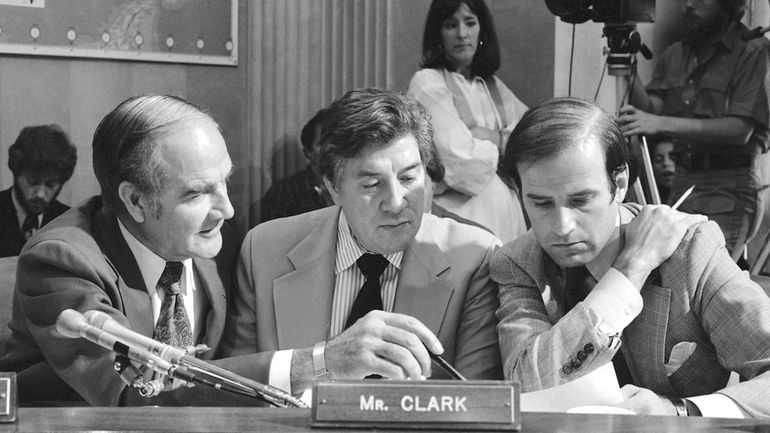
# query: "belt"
{"type": "Point", "coordinates": [713, 161]}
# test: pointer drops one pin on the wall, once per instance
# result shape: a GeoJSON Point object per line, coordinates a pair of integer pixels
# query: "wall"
{"type": "Point", "coordinates": [77, 93]}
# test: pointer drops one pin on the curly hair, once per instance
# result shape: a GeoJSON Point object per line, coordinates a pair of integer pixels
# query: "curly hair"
{"type": "Point", "coordinates": [43, 149]}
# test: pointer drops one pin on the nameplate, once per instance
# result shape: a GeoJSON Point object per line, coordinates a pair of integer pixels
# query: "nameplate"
{"type": "Point", "coordinates": [400, 404]}
{"type": "Point", "coordinates": [8, 403]}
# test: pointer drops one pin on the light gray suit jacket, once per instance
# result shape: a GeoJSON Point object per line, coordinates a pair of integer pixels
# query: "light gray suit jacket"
{"type": "Point", "coordinates": [697, 296]}
{"type": "Point", "coordinates": [286, 282]}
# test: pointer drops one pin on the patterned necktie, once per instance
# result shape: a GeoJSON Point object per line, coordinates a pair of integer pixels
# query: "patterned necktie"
{"type": "Point", "coordinates": [173, 326]}
{"type": "Point", "coordinates": [578, 284]}
{"type": "Point", "coordinates": [369, 297]}
{"type": "Point", "coordinates": [30, 226]}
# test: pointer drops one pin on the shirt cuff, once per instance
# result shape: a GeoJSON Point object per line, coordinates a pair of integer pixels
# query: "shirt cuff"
{"type": "Point", "coordinates": [717, 405]}
{"type": "Point", "coordinates": [615, 301]}
{"type": "Point", "coordinates": [280, 370]}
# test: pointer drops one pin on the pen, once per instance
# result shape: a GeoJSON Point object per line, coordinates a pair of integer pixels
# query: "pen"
{"type": "Point", "coordinates": [447, 367]}
{"type": "Point", "coordinates": [683, 197]}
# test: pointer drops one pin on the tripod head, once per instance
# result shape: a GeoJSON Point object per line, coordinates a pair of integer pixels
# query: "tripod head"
{"type": "Point", "coordinates": [623, 42]}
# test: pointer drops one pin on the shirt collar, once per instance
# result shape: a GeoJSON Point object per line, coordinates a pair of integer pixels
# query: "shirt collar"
{"type": "Point", "coordinates": [348, 249]}
{"type": "Point", "coordinates": [150, 264]}
{"type": "Point", "coordinates": [606, 257]}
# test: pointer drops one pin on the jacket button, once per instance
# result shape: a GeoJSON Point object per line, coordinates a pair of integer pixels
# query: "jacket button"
{"type": "Point", "coordinates": [566, 369]}
{"type": "Point", "coordinates": [575, 364]}
{"type": "Point", "coordinates": [581, 356]}
{"type": "Point", "coordinates": [588, 348]}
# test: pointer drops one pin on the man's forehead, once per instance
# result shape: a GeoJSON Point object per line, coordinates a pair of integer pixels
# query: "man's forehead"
{"type": "Point", "coordinates": [398, 155]}
{"type": "Point", "coordinates": [579, 168]}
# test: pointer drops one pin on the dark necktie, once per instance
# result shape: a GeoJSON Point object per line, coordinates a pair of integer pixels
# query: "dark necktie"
{"type": "Point", "coordinates": [578, 284]}
{"type": "Point", "coordinates": [173, 326]}
{"type": "Point", "coordinates": [29, 226]}
{"type": "Point", "coordinates": [369, 297]}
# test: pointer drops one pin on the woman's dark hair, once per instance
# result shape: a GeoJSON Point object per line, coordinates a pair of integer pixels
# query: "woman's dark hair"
{"type": "Point", "coordinates": [487, 59]}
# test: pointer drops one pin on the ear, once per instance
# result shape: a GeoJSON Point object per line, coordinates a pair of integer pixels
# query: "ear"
{"type": "Point", "coordinates": [332, 191]}
{"type": "Point", "coordinates": [133, 200]}
{"type": "Point", "coordinates": [621, 182]}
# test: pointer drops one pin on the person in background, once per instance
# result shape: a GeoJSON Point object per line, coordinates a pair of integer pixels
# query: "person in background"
{"type": "Point", "coordinates": [370, 285]}
{"type": "Point", "coordinates": [663, 165]}
{"type": "Point", "coordinates": [42, 160]}
{"type": "Point", "coordinates": [303, 191]}
{"type": "Point", "coordinates": [649, 289]}
{"type": "Point", "coordinates": [710, 92]}
{"type": "Point", "coordinates": [472, 113]}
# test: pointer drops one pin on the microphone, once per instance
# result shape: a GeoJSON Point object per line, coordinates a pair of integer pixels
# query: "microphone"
{"type": "Point", "coordinates": [208, 373]}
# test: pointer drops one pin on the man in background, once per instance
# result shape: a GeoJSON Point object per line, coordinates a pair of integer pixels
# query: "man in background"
{"type": "Point", "coordinates": [303, 191]}
{"type": "Point", "coordinates": [371, 285]}
{"type": "Point", "coordinates": [42, 160]}
{"type": "Point", "coordinates": [710, 93]}
{"type": "Point", "coordinates": [595, 281]}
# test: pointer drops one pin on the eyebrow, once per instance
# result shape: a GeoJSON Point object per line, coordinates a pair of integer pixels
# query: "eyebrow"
{"type": "Point", "coordinates": [366, 173]}
{"type": "Point", "coordinates": [583, 193]}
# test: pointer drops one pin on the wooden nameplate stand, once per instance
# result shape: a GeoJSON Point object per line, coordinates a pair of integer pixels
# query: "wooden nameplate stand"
{"type": "Point", "coordinates": [406, 404]}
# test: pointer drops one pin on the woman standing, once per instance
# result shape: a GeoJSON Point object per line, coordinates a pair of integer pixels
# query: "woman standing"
{"type": "Point", "coordinates": [472, 113]}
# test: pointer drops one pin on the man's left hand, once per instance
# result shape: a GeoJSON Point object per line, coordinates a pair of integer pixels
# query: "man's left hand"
{"type": "Point", "coordinates": [633, 121]}
{"type": "Point", "coordinates": [645, 402]}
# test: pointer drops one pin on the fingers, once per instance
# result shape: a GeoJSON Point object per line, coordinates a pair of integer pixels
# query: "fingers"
{"type": "Point", "coordinates": [414, 326]}
{"type": "Point", "coordinates": [628, 391]}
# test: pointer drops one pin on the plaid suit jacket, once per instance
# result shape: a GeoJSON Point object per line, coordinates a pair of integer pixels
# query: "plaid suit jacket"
{"type": "Point", "coordinates": [698, 296]}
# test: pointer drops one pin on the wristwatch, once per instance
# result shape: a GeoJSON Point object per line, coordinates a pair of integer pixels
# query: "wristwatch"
{"type": "Point", "coordinates": [319, 362]}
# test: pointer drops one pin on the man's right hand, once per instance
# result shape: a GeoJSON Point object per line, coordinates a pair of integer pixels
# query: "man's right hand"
{"type": "Point", "coordinates": [389, 344]}
{"type": "Point", "coordinates": [651, 238]}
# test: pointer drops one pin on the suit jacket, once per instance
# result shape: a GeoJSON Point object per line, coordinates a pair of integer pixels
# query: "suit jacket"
{"type": "Point", "coordinates": [698, 296]}
{"type": "Point", "coordinates": [10, 232]}
{"type": "Point", "coordinates": [81, 261]}
{"type": "Point", "coordinates": [286, 284]}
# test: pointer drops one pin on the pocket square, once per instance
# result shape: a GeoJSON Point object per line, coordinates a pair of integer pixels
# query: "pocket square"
{"type": "Point", "coordinates": [679, 354]}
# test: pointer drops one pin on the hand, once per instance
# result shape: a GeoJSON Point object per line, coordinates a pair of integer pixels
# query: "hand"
{"type": "Point", "coordinates": [651, 238]}
{"type": "Point", "coordinates": [389, 344]}
{"type": "Point", "coordinates": [633, 121]}
{"type": "Point", "coordinates": [645, 402]}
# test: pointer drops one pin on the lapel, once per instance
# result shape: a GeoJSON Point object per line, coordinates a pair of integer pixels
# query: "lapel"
{"type": "Point", "coordinates": [423, 290]}
{"type": "Point", "coordinates": [644, 340]}
{"type": "Point", "coordinates": [137, 306]}
{"type": "Point", "coordinates": [303, 296]}
{"type": "Point", "coordinates": [216, 295]}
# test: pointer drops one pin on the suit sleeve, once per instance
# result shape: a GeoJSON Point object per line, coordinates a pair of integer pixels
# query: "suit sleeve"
{"type": "Point", "coordinates": [540, 349]}
{"type": "Point", "coordinates": [477, 353]}
{"type": "Point", "coordinates": [735, 313]}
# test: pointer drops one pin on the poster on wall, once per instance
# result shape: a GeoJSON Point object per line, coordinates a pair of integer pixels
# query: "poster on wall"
{"type": "Point", "coordinates": [175, 31]}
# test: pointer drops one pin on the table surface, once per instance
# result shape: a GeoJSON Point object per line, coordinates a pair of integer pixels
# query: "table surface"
{"type": "Point", "coordinates": [298, 420]}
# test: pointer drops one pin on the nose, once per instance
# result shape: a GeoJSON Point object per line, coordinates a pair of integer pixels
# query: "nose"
{"type": "Point", "coordinates": [463, 30]}
{"type": "Point", "coordinates": [40, 191]}
{"type": "Point", "coordinates": [563, 221]}
{"type": "Point", "coordinates": [222, 203]}
{"type": "Point", "coordinates": [394, 199]}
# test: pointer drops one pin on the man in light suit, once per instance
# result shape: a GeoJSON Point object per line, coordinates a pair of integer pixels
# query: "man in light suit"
{"type": "Point", "coordinates": [163, 167]}
{"type": "Point", "coordinates": [299, 281]}
{"type": "Point", "coordinates": [650, 289]}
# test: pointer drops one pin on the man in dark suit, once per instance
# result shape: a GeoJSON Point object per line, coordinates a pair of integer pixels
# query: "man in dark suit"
{"type": "Point", "coordinates": [308, 295]}
{"type": "Point", "coordinates": [596, 280]}
{"type": "Point", "coordinates": [42, 160]}
{"type": "Point", "coordinates": [152, 252]}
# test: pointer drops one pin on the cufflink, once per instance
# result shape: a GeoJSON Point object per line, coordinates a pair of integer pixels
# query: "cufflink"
{"type": "Point", "coordinates": [319, 361]}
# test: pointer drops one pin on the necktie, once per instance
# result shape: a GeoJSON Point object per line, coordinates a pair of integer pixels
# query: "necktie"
{"type": "Point", "coordinates": [578, 284]}
{"type": "Point", "coordinates": [29, 226]}
{"type": "Point", "coordinates": [173, 326]}
{"type": "Point", "coordinates": [369, 297]}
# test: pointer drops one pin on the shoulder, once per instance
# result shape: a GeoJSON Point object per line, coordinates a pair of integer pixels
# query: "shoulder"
{"type": "Point", "coordinates": [452, 236]}
{"type": "Point", "coordinates": [523, 251]}
{"type": "Point", "coordinates": [426, 78]}
{"type": "Point", "coordinates": [291, 230]}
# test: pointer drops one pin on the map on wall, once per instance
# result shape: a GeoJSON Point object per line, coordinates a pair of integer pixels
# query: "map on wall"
{"type": "Point", "coordinates": [178, 31]}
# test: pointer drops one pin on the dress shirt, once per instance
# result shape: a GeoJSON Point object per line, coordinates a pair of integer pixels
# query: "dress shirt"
{"type": "Point", "coordinates": [615, 302]}
{"type": "Point", "coordinates": [21, 214]}
{"type": "Point", "coordinates": [347, 283]}
{"type": "Point", "coordinates": [151, 266]}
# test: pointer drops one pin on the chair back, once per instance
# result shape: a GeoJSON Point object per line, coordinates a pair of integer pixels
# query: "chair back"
{"type": "Point", "coordinates": [7, 282]}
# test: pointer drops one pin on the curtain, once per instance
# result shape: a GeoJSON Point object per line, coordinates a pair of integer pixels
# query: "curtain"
{"type": "Point", "coordinates": [303, 54]}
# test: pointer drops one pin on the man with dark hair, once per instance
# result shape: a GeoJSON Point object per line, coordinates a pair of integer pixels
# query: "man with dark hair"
{"type": "Point", "coordinates": [595, 281]}
{"type": "Point", "coordinates": [425, 280]}
{"type": "Point", "coordinates": [42, 160]}
{"type": "Point", "coordinates": [153, 252]}
{"type": "Point", "coordinates": [303, 191]}
{"type": "Point", "coordinates": [710, 93]}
